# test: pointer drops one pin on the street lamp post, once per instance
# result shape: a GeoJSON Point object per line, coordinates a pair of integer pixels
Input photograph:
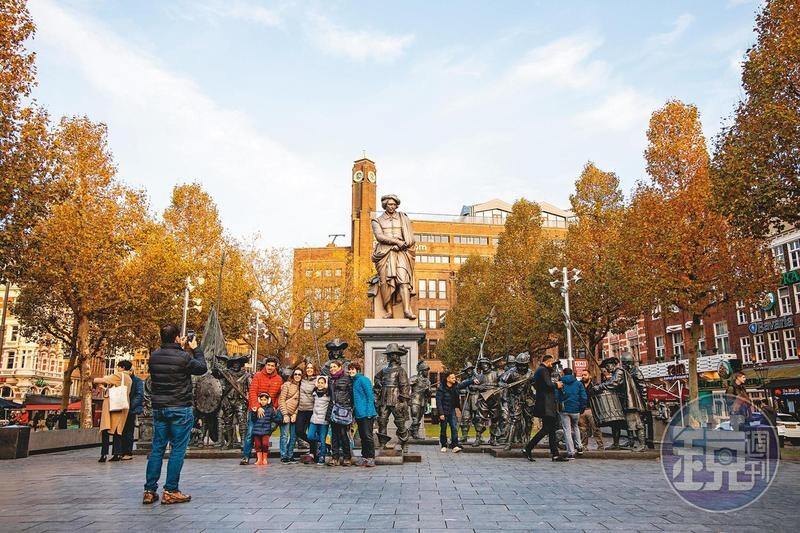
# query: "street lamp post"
{"type": "Point", "coordinates": [564, 284]}
{"type": "Point", "coordinates": [763, 373]}
{"type": "Point", "coordinates": [196, 301]}
{"type": "Point", "coordinates": [255, 344]}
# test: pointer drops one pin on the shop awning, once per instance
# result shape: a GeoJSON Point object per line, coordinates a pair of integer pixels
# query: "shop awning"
{"type": "Point", "coordinates": [6, 404]}
{"type": "Point", "coordinates": [776, 374]}
{"type": "Point", "coordinates": [74, 406]}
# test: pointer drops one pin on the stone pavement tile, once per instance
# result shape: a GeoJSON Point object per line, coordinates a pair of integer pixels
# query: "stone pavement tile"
{"type": "Point", "coordinates": [428, 530]}
{"type": "Point", "coordinates": [420, 524]}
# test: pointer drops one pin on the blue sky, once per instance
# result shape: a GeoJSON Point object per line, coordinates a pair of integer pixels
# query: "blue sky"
{"type": "Point", "coordinates": [267, 104]}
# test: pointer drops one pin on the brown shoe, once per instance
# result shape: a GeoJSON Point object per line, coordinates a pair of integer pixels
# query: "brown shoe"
{"type": "Point", "coordinates": [149, 497]}
{"type": "Point", "coordinates": [346, 462]}
{"type": "Point", "coordinates": [170, 497]}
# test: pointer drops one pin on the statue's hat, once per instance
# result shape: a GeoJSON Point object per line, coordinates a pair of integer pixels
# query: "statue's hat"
{"type": "Point", "coordinates": [336, 345]}
{"type": "Point", "coordinates": [609, 361]}
{"type": "Point", "coordinates": [394, 348]}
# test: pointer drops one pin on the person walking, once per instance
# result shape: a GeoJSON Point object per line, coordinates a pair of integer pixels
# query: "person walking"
{"type": "Point", "coordinates": [447, 401]}
{"type": "Point", "coordinates": [340, 387]}
{"type": "Point", "coordinates": [739, 404]}
{"type": "Point", "coordinates": [306, 409]}
{"type": "Point", "coordinates": [572, 398]}
{"type": "Point", "coordinates": [113, 422]}
{"type": "Point", "coordinates": [364, 412]}
{"type": "Point", "coordinates": [586, 422]}
{"type": "Point", "coordinates": [546, 409]}
{"type": "Point", "coordinates": [171, 371]}
{"type": "Point", "coordinates": [288, 403]}
{"type": "Point", "coordinates": [136, 401]}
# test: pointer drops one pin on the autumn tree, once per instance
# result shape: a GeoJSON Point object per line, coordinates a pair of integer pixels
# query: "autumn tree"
{"type": "Point", "coordinates": [606, 298]}
{"type": "Point", "coordinates": [682, 252]}
{"type": "Point", "coordinates": [193, 220]}
{"type": "Point", "coordinates": [516, 284]}
{"type": "Point", "coordinates": [25, 183]}
{"type": "Point", "coordinates": [756, 167]}
{"type": "Point", "coordinates": [98, 265]}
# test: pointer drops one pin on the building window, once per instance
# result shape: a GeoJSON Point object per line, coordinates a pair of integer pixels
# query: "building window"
{"type": "Point", "coordinates": [780, 260]}
{"type": "Point", "coordinates": [441, 259]}
{"type": "Point", "coordinates": [432, 319]}
{"type": "Point", "coordinates": [471, 239]}
{"type": "Point", "coordinates": [741, 315]}
{"type": "Point", "coordinates": [460, 259]}
{"type": "Point", "coordinates": [423, 288]}
{"type": "Point", "coordinates": [761, 352]}
{"type": "Point", "coordinates": [317, 273]}
{"type": "Point", "coordinates": [772, 313]}
{"type": "Point", "coordinates": [428, 237]}
{"type": "Point", "coordinates": [794, 254]}
{"type": "Point", "coordinates": [318, 293]}
{"type": "Point", "coordinates": [431, 288]}
{"type": "Point", "coordinates": [14, 333]}
{"type": "Point", "coordinates": [721, 337]}
{"type": "Point", "coordinates": [307, 321]}
{"type": "Point", "coordinates": [701, 343]}
{"type": "Point", "coordinates": [744, 342]}
{"type": "Point", "coordinates": [442, 313]}
{"type": "Point", "coordinates": [442, 289]}
{"type": "Point", "coordinates": [677, 343]}
{"type": "Point", "coordinates": [755, 314]}
{"type": "Point", "coordinates": [659, 348]}
{"type": "Point", "coordinates": [338, 272]}
{"type": "Point", "coordinates": [774, 339]}
{"type": "Point", "coordinates": [308, 273]}
{"type": "Point", "coordinates": [784, 301]}
{"type": "Point", "coordinates": [326, 319]}
{"type": "Point", "coordinates": [328, 273]}
{"type": "Point", "coordinates": [337, 293]}
{"type": "Point", "coordinates": [10, 360]}
{"type": "Point", "coordinates": [797, 296]}
{"type": "Point", "coordinates": [423, 318]}
{"type": "Point", "coordinates": [309, 292]}
{"type": "Point", "coordinates": [6, 392]}
{"type": "Point", "coordinates": [790, 343]}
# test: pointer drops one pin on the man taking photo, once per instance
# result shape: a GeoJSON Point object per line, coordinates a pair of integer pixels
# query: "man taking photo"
{"type": "Point", "coordinates": [171, 371]}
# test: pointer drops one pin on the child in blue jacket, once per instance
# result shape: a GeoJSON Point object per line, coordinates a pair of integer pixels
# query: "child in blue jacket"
{"type": "Point", "coordinates": [263, 426]}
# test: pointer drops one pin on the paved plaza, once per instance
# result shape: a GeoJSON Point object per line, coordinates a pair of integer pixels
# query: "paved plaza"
{"type": "Point", "coordinates": [445, 492]}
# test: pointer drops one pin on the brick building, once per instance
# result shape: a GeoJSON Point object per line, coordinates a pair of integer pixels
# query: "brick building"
{"type": "Point", "coordinates": [444, 242]}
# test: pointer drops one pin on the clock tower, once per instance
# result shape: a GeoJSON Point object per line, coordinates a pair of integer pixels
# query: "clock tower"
{"type": "Point", "coordinates": [364, 186]}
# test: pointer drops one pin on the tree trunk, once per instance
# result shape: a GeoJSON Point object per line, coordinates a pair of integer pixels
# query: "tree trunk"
{"type": "Point", "coordinates": [66, 381]}
{"type": "Point", "coordinates": [694, 391]}
{"type": "Point", "coordinates": [85, 361]}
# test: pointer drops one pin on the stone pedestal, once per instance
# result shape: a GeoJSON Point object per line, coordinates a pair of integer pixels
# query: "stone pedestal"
{"type": "Point", "coordinates": [378, 333]}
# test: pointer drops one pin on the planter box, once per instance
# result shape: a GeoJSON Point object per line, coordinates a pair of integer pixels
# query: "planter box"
{"type": "Point", "coordinates": [63, 439]}
{"type": "Point", "coordinates": [14, 442]}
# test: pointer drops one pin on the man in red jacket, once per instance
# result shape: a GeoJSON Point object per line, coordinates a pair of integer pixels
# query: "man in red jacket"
{"type": "Point", "coordinates": [265, 380]}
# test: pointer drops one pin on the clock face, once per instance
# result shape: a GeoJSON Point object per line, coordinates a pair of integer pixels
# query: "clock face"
{"type": "Point", "coordinates": [358, 176]}
{"type": "Point", "coordinates": [371, 176]}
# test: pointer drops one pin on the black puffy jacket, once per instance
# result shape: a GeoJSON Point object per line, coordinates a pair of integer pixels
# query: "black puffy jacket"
{"type": "Point", "coordinates": [340, 389]}
{"type": "Point", "coordinates": [171, 371]}
{"type": "Point", "coordinates": [447, 400]}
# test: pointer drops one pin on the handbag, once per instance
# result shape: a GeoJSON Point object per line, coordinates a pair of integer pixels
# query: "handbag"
{"type": "Point", "coordinates": [118, 396]}
{"type": "Point", "coordinates": [341, 414]}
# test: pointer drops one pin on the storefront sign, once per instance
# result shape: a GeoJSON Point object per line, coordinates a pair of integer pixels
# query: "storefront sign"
{"type": "Point", "coordinates": [676, 376]}
{"type": "Point", "coordinates": [768, 302]}
{"type": "Point", "coordinates": [787, 391]}
{"type": "Point", "coordinates": [580, 365]}
{"type": "Point", "coordinates": [770, 325]}
{"type": "Point", "coordinates": [791, 277]}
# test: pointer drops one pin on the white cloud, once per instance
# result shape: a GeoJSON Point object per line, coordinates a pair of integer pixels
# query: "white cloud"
{"type": "Point", "coordinates": [561, 64]}
{"type": "Point", "coordinates": [679, 27]}
{"type": "Point", "coordinates": [212, 11]}
{"type": "Point", "coordinates": [358, 45]}
{"type": "Point", "coordinates": [623, 110]}
{"type": "Point", "coordinates": [164, 130]}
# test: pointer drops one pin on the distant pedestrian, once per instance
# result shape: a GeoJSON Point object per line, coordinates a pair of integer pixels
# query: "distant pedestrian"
{"type": "Point", "coordinates": [320, 418]}
{"type": "Point", "coordinates": [306, 408]}
{"type": "Point", "coordinates": [263, 426]}
{"type": "Point", "coordinates": [586, 421]}
{"type": "Point", "coordinates": [739, 405]}
{"type": "Point", "coordinates": [136, 399]}
{"type": "Point", "coordinates": [340, 386]}
{"type": "Point", "coordinates": [288, 403]}
{"type": "Point", "coordinates": [572, 397]}
{"type": "Point", "coordinates": [113, 422]}
{"type": "Point", "coordinates": [364, 412]}
{"type": "Point", "coordinates": [171, 371]}
{"type": "Point", "coordinates": [545, 408]}
{"type": "Point", "coordinates": [447, 401]}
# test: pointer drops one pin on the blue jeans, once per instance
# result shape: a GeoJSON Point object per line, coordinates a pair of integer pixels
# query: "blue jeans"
{"type": "Point", "coordinates": [452, 421]}
{"type": "Point", "coordinates": [173, 425]}
{"type": "Point", "coordinates": [247, 445]}
{"type": "Point", "coordinates": [319, 432]}
{"type": "Point", "coordinates": [287, 441]}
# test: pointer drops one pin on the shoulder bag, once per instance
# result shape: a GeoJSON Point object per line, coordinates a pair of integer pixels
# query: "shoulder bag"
{"type": "Point", "coordinates": [118, 396]}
